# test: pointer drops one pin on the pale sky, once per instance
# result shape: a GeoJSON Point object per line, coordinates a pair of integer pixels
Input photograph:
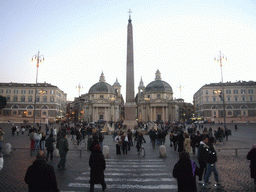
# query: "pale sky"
{"type": "Point", "coordinates": [81, 38]}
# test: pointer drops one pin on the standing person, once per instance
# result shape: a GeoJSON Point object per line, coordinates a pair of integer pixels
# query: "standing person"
{"type": "Point", "coordinates": [153, 137]}
{"type": "Point", "coordinates": [32, 139]}
{"type": "Point", "coordinates": [55, 132]}
{"type": "Point", "coordinates": [62, 146]}
{"type": "Point", "coordinates": [1, 139]}
{"type": "Point", "coordinates": [252, 157]}
{"type": "Point", "coordinates": [201, 157]}
{"type": "Point", "coordinates": [49, 146]}
{"type": "Point", "coordinates": [236, 127]}
{"type": "Point", "coordinates": [40, 176]}
{"type": "Point", "coordinates": [171, 138]}
{"type": "Point", "coordinates": [13, 130]}
{"type": "Point", "coordinates": [185, 170]}
{"type": "Point", "coordinates": [97, 164]}
{"type": "Point", "coordinates": [180, 142]}
{"type": "Point", "coordinates": [211, 159]}
{"type": "Point", "coordinates": [37, 137]}
{"type": "Point", "coordinates": [17, 130]}
{"type": "Point", "coordinates": [124, 143]}
{"type": "Point", "coordinates": [101, 138]}
{"type": "Point", "coordinates": [23, 130]}
{"type": "Point", "coordinates": [175, 140]}
{"type": "Point", "coordinates": [193, 139]}
{"type": "Point", "coordinates": [187, 144]}
{"type": "Point", "coordinates": [118, 143]}
{"type": "Point", "coordinates": [42, 141]}
{"type": "Point", "coordinates": [140, 139]}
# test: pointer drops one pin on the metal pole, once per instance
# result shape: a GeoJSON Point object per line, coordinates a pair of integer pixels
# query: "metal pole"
{"type": "Point", "coordinates": [37, 65]}
{"type": "Point", "coordinates": [223, 94]}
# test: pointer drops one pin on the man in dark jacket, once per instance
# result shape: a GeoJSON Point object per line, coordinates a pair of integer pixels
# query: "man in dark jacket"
{"type": "Point", "coordinates": [201, 157]}
{"type": "Point", "coordinates": [49, 146]}
{"type": "Point", "coordinates": [40, 176]}
{"type": "Point", "coordinates": [62, 145]}
{"type": "Point", "coordinates": [97, 164]}
{"type": "Point", "coordinates": [252, 156]}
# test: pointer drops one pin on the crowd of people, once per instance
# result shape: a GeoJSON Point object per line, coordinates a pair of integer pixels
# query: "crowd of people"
{"type": "Point", "coordinates": [194, 140]}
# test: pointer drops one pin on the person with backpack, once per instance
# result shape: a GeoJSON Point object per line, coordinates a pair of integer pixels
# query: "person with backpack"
{"type": "Point", "coordinates": [201, 157]}
{"type": "Point", "coordinates": [211, 159]}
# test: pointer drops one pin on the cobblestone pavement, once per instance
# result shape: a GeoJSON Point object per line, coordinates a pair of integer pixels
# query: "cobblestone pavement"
{"type": "Point", "coordinates": [149, 173]}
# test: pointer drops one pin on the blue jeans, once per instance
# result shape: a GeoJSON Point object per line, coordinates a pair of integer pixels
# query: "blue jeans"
{"type": "Point", "coordinates": [36, 146]}
{"type": "Point", "coordinates": [209, 169]}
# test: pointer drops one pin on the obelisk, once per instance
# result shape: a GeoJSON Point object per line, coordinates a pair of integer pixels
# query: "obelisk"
{"type": "Point", "coordinates": [130, 105]}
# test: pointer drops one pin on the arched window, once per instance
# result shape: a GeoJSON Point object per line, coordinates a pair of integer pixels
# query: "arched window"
{"type": "Point", "coordinates": [229, 107]}
{"type": "Point", "coordinates": [214, 107]}
{"type": "Point", "coordinates": [15, 107]}
{"type": "Point", "coordinates": [244, 107]}
{"type": "Point", "coordinates": [45, 107]}
{"type": "Point", "coordinates": [30, 107]}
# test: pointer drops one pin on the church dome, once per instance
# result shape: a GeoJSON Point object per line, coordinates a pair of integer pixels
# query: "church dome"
{"type": "Point", "coordinates": [158, 85]}
{"type": "Point", "coordinates": [101, 86]}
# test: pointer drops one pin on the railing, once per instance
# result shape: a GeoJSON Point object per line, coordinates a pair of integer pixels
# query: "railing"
{"type": "Point", "coordinates": [32, 150]}
{"type": "Point", "coordinates": [236, 149]}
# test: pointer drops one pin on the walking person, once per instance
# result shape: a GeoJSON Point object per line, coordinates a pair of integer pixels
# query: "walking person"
{"type": "Point", "coordinates": [32, 139]}
{"type": "Point", "coordinates": [101, 138]}
{"type": "Point", "coordinates": [40, 176]}
{"type": "Point", "coordinates": [201, 157]}
{"type": "Point", "coordinates": [97, 164]}
{"type": "Point", "coordinates": [23, 130]}
{"type": "Point", "coordinates": [153, 137]}
{"type": "Point", "coordinates": [17, 130]}
{"type": "Point", "coordinates": [185, 170]}
{"type": "Point", "coordinates": [252, 157]}
{"type": "Point", "coordinates": [49, 146]}
{"type": "Point", "coordinates": [124, 143]}
{"type": "Point", "coordinates": [193, 139]}
{"type": "Point", "coordinates": [118, 144]}
{"type": "Point", "coordinates": [62, 146]}
{"type": "Point", "coordinates": [211, 159]}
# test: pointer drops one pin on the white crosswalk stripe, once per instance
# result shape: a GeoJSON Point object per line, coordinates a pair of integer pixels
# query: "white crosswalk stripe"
{"type": "Point", "coordinates": [147, 174]}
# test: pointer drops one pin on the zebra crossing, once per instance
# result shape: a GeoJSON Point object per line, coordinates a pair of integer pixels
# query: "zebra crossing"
{"type": "Point", "coordinates": [130, 175]}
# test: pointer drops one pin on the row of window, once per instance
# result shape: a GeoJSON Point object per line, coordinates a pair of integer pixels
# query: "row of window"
{"type": "Point", "coordinates": [30, 99]}
{"type": "Point", "coordinates": [214, 99]}
{"type": "Point", "coordinates": [229, 91]}
{"type": "Point", "coordinates": [24, 91]}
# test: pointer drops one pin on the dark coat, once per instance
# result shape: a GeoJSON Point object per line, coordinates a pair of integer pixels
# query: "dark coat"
{"type": "Point", "coordinates": [184, 174]}
{"type": "Point", "coordinates": [97, 164]}
{"type": "Point", "coordinates": [252, 156]}
{"type": "Point", "coordinates": [40, 177]}
{"type": "Point", "coordinates": [62, 145]}
{"type": "Point", "coordinates": [49, 143]}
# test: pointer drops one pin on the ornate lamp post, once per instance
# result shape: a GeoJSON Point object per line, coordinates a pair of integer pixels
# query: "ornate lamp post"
{"type": "Point", "coordinates": [39, 59]}
{"type": "Point", "coordinates": [219, 59]}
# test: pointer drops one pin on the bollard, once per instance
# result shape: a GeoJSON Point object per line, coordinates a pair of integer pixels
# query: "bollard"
{"type": "Point", "coordinates": [162, 151]}
{"type": "Point", "coordinates": [7, 149]}
{"type": "Point", "coordinates": [105, 151]}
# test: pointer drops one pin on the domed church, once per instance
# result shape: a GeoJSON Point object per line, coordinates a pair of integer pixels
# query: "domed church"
{"type": "Point", "coordinates": [155, 101]}
{"type": "Point", "coordinates": [102, 102]}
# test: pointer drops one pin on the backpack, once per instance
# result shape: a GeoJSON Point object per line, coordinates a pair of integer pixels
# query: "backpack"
{"type": "Point", "coordinates": [210, 155]}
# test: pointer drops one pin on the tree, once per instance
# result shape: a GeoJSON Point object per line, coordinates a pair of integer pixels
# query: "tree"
{"type": "Point", "coordinates": [2, 102]}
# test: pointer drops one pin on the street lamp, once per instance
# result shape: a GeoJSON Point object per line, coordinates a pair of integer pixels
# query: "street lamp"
{"type": "Point", "coordinates": [39, 59]}
{"type": "Point", "coordinates": [79, 87]}
{"type": "Point", "coordinates": [219, 59]}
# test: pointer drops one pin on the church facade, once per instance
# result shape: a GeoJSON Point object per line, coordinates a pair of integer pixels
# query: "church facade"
{"type": "Point", "coordinates": [155, 102]}
{"type": "Point", "coordinates": [102, 102]}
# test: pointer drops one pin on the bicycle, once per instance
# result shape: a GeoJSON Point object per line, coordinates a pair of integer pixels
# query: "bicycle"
{"type": "Point", "coordinates": [142, 151]}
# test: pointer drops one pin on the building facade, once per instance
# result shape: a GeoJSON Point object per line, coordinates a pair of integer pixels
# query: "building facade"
{"type": "Point", "coordinates": [239, 102]}
{"type": "Point", "coordinates": [50, 102]}
{"type": "Point", "coordinates": [102, 102]}
{"type": "Point", "coordinates": [155, 101]}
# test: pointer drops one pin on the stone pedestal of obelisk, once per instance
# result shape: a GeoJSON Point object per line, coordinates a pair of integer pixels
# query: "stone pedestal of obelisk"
{"type": "Point", "coordinates": [130, 105]}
